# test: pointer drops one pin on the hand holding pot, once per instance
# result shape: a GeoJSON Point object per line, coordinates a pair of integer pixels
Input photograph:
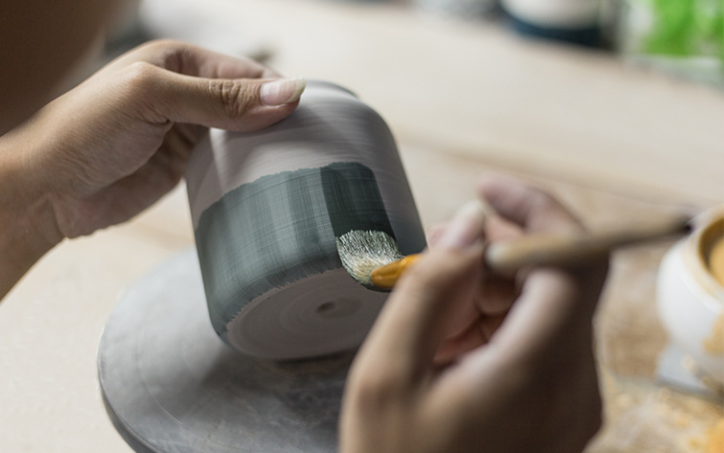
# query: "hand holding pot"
{"type": "Point", "coordinates": [115, 144]}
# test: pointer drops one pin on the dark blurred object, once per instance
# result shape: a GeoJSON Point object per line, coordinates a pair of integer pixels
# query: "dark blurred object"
{"type": "Point", "coordinates": [585, 36]}
{"type": "Point", "coordinates": [464, 9]}
{"type": "Point", "coordinates": [572, 21]}
{"type": "Point", "coordinates": [682, 37]}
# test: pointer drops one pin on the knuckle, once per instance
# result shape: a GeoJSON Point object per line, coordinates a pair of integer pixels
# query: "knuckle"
{"type": "Point", "coordinates": [233, 95]}
{"type": "Point", "coordinates": [542, 200]}
{"type": "Point", "coordinates": [170, 54]}
{"type": "Point", "coordinates": [374, 392]}
{"type": "Point", "coordinates": [140, 77]}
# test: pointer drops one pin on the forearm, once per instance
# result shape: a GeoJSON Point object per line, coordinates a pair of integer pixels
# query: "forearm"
{"type": "Point", "coordinates": [27, 222]}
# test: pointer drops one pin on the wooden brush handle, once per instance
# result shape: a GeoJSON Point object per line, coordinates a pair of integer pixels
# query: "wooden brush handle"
{"type": "Point", "coordinates": [549, 250]}
{"type": "Point", "coordinates": [561, 249]}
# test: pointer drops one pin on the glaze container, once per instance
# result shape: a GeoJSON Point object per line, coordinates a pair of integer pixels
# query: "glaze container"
{"type": "Point", "coordinates": [690, 300]}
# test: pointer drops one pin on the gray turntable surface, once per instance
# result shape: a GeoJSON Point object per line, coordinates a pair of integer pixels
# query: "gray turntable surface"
{"type": "Point", "coordinates": [170, 385]}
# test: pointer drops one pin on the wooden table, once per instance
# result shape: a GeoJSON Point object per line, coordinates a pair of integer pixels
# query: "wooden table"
{"type": "Point", "coordinates": [614, 142]}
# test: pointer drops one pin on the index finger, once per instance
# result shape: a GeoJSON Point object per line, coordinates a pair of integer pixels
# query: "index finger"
{"type": "Point", "coordinates": [532, 209]}
{"type": "Point", "coordinates": [191, 60]}
{"type": "Point", "coordinates": [556, 305]}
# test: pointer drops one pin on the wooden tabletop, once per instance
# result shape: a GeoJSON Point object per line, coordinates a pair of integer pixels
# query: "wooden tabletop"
{"type": "Point", "coordinates": [613, 141]}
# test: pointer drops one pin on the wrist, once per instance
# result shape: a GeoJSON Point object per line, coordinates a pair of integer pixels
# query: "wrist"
{"type": "Point", "coordinates": [27, 222]}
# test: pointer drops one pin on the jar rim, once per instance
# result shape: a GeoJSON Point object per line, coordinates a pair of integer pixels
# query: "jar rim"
{"type": "Point", "coordinates": [699, 247]}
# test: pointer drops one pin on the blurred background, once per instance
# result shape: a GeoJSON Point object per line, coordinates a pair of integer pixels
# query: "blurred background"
{"type": "Point", "coordinates": [549, 86]}
{"type": "Point", "coordinates": [616, 106]}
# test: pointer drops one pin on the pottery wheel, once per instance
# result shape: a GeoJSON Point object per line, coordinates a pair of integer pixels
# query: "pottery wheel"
{"type": "Point", "coordinates": [170, 385]}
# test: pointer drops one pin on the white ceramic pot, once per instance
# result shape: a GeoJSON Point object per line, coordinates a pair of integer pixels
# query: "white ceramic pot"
{"type": "Point", "coordinates": [691, 301]}
{"type": "Point", "coordinates": [267, 207]}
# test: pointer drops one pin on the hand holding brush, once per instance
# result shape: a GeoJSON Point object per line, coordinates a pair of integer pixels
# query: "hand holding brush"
{"type": "Point", "coordinates": [464, 360]}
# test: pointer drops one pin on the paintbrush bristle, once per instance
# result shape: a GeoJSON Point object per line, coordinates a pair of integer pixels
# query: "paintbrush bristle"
{"type": "Point", "coordinates": [361, 252]}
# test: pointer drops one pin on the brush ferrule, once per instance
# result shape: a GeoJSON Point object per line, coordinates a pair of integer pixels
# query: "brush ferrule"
{"type": "Point", "coordinates": [385, 277]}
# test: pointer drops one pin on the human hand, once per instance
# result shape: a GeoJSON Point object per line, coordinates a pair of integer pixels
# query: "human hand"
{"type": "Point", "coordinates": [115, 144]}
{"type": "Point", "coordinates": [463, 361]}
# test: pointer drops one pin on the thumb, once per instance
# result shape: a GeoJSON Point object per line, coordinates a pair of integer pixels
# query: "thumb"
{"type": "Point", "coordinates": [234, 104]}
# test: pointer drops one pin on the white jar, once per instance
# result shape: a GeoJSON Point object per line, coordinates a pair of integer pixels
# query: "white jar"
{"type": "Point", "coordinates": [690, 300]}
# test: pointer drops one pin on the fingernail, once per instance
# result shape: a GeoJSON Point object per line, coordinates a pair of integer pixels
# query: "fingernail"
{"type": "Point", "coordinates": [466, 226]}
{"type": "Point", "coordinates": [282, 91]}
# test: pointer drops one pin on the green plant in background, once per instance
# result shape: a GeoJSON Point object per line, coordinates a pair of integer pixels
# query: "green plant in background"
{"type": "Point", "coordinates": [684, 28]}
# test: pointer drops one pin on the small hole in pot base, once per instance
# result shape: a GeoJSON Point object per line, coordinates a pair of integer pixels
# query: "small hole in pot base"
{"type": "Point", "coordinates": [326, 308]}
{"type": "Point", "coordinates": [338, 308]}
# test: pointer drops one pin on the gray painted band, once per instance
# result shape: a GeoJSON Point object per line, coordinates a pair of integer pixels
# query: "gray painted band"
{"type": "Point", "coordinates": [262, 240]}
{"type": "Point", "coordinates": [270, 233]}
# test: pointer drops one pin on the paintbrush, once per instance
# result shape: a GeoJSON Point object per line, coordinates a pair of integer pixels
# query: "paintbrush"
{"type": "Point", "coordinates": [374, 260]}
